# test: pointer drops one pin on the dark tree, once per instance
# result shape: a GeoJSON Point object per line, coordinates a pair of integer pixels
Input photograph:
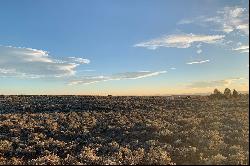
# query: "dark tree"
{"type": "Point", "coordinates": [217, 94]}
{"type": "Point", "coordinates": [227, 93]}
{"type": "Point", "coordinates": [235, 94]}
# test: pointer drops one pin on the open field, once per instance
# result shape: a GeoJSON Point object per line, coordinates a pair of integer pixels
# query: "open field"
{"type": "Point", "coordinates": [123, 130]}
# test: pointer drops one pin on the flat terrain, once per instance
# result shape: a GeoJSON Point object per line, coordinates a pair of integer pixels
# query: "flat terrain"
{"type": "Point", "coordinates": [123, 130]}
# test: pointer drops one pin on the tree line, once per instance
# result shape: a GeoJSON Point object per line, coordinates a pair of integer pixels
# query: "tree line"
{"type": "Point", "coordinates": [227, 94]}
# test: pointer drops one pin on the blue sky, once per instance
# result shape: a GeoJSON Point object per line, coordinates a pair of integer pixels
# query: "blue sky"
{"type": "Point", "coordinates": [142, 47]}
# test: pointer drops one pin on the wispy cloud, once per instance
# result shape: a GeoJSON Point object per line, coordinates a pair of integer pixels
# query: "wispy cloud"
{"type": "Point", "coordinates": [198, 62]}
{"type": "Point", "coordinates": [213, 83]}
{"type": "Point", "coordinates": [8, 72]}
{"type": "Point", "coordinates": [118, 76]}
{"type": "Point", "coordinates": [186, 21]}
{"type": "Point", "coordinates": [179, 41]}
{"type": "Point", "coordinates": [242, 49]}
{"type": "Point", "coordinates": [199, 51]}
{"type": "Point", "coordinates": [33, 63]}
{"type": "Point", "coordinates": [228, 19]}
{"type": "Point", "coordinates": [89, 70]}
{"type": "Point", "coordinates": [233, 18]}
{"type": "Point", "coordinates": [79, 60]}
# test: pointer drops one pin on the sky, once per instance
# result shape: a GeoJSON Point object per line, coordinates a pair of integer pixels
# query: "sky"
{"type": "Point", "coordinates": [118, 47]}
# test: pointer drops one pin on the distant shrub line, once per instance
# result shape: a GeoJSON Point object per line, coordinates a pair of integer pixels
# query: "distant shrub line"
{"type": "Point", "coordinates": [228, 94]}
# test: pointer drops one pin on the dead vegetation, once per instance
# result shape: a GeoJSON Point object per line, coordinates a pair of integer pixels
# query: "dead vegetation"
{"type": "Point", "coordinates": [126, 130]}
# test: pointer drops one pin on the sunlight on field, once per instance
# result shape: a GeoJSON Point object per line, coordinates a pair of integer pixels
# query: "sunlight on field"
{"type": "Point", "coordinates": [125, 130]}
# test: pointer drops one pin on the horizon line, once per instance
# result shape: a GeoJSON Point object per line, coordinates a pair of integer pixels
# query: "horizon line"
{"type": "Point", "coordinates": [179, 94]}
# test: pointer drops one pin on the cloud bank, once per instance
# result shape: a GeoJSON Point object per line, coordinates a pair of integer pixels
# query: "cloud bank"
{"type": "Point", "coordinates": [33, 63]}
{"type": "Point", "coordinates": [118, 76]}
{"type": "Point", "coordinates": [179, 41]}
{"type": "Point", "coordinates": [213, 83]}
{"type": "Point", "coordinates": [22, 62]}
